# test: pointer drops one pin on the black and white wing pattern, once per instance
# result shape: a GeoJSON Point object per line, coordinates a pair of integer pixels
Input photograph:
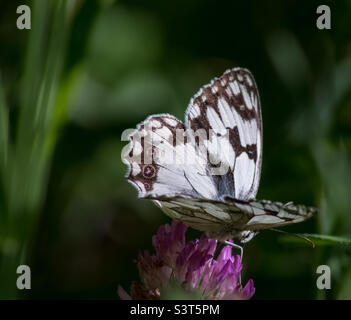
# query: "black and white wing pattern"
{"type": "Point", "coordinates": [233, 217]}
{"type": "Point", "coordinates": [229, 108]}
{"type": "Point", "coordinates": [162, 161]}
{"type": "Point", "coordinates": [206, 172]}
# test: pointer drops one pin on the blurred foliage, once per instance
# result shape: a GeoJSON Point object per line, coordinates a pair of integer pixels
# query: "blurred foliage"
{"type": "Point", "coordinates": [86, 72]}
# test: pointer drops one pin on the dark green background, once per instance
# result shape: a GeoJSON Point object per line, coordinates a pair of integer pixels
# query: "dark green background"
{"type": "Point", "coordinates": [126, 60]}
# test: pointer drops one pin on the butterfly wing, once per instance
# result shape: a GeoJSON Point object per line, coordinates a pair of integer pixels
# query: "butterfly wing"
{"type": "Point", "coordinates": [229, 161]}
{"type": "Point", "coordinates": [232, 217]}
{"type": "Point", "coordinates": [162, 162]}
{"type": "Point", "coordinates": [210, 187]}
{"type": "Point", "coordinates": [210, 216]}
{"type": "Point", "coordinates": [266, 214]}
{"type": "Point", "coordinates": [229, 110]}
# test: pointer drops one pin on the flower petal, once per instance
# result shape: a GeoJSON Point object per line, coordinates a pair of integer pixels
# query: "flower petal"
{"type": "Point", "coordinates": [123, 294]}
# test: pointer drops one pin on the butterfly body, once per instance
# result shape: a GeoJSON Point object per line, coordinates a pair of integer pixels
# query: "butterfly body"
{"type": "Point", "coordinates": [206, 171]}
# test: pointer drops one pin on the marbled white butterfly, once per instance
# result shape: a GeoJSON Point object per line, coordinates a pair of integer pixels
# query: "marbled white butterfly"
{"type": "Point", "coordinates": [206, 172]}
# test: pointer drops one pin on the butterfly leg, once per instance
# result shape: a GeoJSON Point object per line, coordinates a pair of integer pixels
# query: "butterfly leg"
{"type": "Point", "coordinates": [233, 245]}
{"type": "Point", "coordinates": [226, 242]}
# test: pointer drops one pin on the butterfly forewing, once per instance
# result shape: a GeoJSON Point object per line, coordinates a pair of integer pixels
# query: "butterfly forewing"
{"type": "Point", "coordinates": [229, 109]}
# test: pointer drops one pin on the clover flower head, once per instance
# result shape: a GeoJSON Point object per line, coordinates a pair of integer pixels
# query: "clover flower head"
{"type": "Point", "coordinates": [192, 265]}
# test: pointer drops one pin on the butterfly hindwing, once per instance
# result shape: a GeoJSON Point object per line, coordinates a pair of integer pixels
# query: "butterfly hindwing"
{"type": "Point", "coordinates": [231, 217]}
{"type": "Point", "coordinates": [161, 161]}
{"type": "Point", "coordinates": [266, 214]}
{"type": "Point", "coordinates": [210, 216]}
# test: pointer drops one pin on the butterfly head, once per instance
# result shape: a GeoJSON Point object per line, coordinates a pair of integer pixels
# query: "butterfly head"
{"type": "Point", "coordinates": [246, 235]}
{"type": "Point", "coordinates": [242, 235]}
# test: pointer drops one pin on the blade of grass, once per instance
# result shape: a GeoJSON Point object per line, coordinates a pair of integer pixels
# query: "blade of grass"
{"type": "Point", "coordinates": [30, 163]}
{"type": "Point", "coordinates": [4, 129]}
{"type": "Point", "coordinates": [4, 146]}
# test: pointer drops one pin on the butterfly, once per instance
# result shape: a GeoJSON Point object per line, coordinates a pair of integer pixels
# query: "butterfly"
{"type": "Point", "coordinates": [205, 172]}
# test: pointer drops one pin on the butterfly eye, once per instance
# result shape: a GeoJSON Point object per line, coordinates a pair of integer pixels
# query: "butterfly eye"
{"type": "Point", "coordinates": [149, 171]}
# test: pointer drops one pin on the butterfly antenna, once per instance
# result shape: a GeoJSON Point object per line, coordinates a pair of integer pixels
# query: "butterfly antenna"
{"type": "Point", "coordinates": [295, 235]}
